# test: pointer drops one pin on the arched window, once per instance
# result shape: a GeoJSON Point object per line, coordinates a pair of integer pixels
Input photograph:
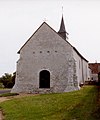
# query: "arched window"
{"type": "Point", "coordinates": [44, 79]}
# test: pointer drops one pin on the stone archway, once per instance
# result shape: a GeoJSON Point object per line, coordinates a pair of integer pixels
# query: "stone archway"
{"type": "Point", "coordinates": [44, 79]}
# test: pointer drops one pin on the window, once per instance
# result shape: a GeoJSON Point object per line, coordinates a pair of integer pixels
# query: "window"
{"type": "Point", "coordinates": [48, 51]}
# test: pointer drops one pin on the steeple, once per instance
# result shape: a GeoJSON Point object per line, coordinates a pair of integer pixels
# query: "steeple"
{"type": "Point", "coordinates": [62, 31]}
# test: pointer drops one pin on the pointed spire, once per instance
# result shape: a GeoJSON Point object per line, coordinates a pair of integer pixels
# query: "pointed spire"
{"type": "Point", "coordinates": [62, 31]}
{"type": "Point", "coordinates": [62, 26]}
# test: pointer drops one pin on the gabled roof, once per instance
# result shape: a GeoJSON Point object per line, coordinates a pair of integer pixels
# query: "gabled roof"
{"type": "Point", "coordinates": [35, 33]}
{"type": "Point", "coordinates": [57, 34]}
{"type": "Point", "coordinates": [79, 54]}
{"type": "Point", "coordinates": [95, 67]}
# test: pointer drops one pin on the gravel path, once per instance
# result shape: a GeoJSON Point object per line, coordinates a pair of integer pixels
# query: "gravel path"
{"type": "Point", "coordinates": [2, 91]}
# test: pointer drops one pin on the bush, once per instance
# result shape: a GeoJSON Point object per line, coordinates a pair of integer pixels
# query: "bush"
{"type": "Point", "coordinates": [1, 85]}
{"type": "Point", "coordinates": [8, 80]}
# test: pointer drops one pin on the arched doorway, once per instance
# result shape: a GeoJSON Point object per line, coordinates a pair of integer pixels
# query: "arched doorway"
{"type": "Point", "coordinates": [44, 79]}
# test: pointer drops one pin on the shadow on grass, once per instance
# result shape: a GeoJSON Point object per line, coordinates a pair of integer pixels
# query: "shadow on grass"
{"type": "Point", "coordinates": [96, 113]}
{"type": "Point", "coordinates": [89, 107]}
{"type": "Point", "coordinates": [8, 94]}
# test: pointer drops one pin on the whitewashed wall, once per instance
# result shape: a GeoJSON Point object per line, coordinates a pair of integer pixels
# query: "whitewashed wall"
{"type": "Point", "coordinates": [85, 70]}
{"type": "Point", "coordinates": [81, 68]}
{"type": "Point", "coordinates": [46, 50]}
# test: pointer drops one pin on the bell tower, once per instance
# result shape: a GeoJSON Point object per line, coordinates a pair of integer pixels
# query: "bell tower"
{"type": "Point", "coordinates": [62, 31]}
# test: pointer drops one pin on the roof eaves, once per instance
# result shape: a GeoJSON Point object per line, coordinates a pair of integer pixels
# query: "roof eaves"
{"type": "Point", "coordinates": [37, 30]}
{"type": "Point", "coordinates": [80, 54]}
{"type": "Point", "coordinates": [30, 38]}
{"type": "Point", "coordinates": [57, 34]}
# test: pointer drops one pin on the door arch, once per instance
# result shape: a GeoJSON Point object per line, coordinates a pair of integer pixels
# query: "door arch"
{"type": "Point", "coordinates": [44, 79]}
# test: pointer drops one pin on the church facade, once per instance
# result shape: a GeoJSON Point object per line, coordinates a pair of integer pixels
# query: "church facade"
{"type": "Point", "coordinates": [48, 63]}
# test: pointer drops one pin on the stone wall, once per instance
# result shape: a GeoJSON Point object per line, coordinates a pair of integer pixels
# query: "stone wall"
{"type": "Point", "coordinates": [82, 70]}
{"type": "Point", "coordinates": [46, 50]}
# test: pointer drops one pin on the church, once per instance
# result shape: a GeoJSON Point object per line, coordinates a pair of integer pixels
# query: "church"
{"type": "Point", "coordinates": [48, 63]}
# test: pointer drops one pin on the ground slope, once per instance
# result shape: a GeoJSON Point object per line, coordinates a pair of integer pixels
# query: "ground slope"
{"type": "Point", "coordinates": [77, 105]}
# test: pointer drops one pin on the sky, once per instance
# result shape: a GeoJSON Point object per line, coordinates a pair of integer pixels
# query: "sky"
{"type": "Point", "coordinates": [19, 19]}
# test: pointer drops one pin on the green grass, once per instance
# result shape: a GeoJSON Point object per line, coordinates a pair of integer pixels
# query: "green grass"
{"type": "Point", "coordinates": [8, 94]}
{"type": "Point", "coordinates": [77, 105]}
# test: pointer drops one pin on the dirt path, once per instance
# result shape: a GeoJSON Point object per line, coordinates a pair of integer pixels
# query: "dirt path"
{"type": "Point", "coordinates": [1, 116]}
{"type": "Point", "coordinates": [2, 99]}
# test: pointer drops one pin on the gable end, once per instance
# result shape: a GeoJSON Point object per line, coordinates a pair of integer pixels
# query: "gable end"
{"type": "Point", "coordinates": [37, 30]}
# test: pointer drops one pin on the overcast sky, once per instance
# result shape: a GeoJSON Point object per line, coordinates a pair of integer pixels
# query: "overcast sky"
{"type": "Point", "coordinates": [20, 18]}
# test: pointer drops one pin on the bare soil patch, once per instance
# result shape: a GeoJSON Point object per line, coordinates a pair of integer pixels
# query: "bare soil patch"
{"type": "Point", "coordinates": [1, 116]}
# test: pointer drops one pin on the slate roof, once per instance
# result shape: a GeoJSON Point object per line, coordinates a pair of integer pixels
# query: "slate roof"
{"type": "Point", "coordinates": [62, 30]}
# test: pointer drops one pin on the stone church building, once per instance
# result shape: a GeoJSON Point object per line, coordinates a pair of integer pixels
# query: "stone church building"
{"type": "Point", "coordinates": [48, 63]}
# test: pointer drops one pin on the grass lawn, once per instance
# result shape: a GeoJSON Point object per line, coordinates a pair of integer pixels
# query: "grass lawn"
{"type": "Point", "coordinates": [8, 94]}
{"type": "Point", "coordinates": [77, 105]}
